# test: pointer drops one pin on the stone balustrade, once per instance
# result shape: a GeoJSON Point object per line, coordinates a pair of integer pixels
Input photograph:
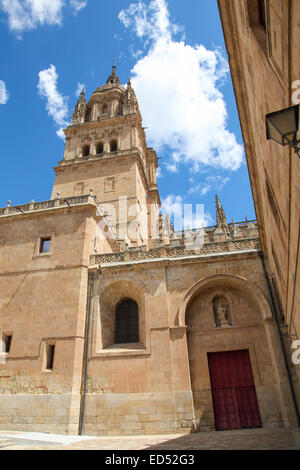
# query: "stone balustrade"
{"type": "Point", "coordinates": [139, 254]}
{"type": "Point", "coordinates": [44, 205]}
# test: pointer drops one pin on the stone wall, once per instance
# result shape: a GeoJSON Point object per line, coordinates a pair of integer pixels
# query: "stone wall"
{"type": "Point", "coordinates": [43, 299]}
{"type": "Point", "coordinates": [265, 69]}
{"type": "Point", "coordinates": [162, 384]}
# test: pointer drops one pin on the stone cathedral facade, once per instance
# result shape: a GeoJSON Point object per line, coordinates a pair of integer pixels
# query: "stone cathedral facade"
{"type": "Point", "coordinates": [145, 333]}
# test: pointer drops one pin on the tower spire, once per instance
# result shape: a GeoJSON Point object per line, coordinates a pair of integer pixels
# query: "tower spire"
{"type": "Point", "coordinates": [221, 217]}
{"type": "Point", "coordinates": [80, 109]}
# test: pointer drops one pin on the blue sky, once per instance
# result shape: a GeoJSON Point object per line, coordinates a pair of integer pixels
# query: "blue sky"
{"type": "Point", "coordinates": [175, 53]}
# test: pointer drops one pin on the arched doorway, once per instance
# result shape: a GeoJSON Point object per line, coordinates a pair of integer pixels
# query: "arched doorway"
{"type": "Point", "coordinates": [225, 336]}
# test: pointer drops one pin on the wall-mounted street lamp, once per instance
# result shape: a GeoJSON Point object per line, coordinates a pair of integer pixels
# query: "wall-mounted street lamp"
{"type": "Point", "coordinates": [282, 126]}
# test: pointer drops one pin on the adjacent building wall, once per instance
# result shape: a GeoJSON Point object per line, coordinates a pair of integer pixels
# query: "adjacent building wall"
{"type": "Point", "coordinates": [265, 69]}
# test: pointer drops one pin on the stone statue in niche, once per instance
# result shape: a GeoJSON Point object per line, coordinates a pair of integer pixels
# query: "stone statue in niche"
{"type": "Point", "coordinates": [221, 312]}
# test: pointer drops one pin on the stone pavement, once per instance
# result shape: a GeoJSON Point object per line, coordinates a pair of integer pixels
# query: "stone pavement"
{"type": "Point", "coordinates": [250, 439]}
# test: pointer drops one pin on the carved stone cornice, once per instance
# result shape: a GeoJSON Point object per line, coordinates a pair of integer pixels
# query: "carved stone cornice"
{"type": "Point", "coordinates": [104, 122]}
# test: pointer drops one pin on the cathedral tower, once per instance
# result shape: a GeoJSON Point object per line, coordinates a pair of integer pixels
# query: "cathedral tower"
{"type": "Point", "coordinates": [106, 151]}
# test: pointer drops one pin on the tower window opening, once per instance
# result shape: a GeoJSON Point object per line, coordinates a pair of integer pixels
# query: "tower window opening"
{"type": "Point", "coordinates": [105, 109]}
{"type": "Point", "coordinates": [99, 148]}
{"type": "Point", "coordinates": [86, 151]}
{"type": "Point", "coordinates": [113, 146]}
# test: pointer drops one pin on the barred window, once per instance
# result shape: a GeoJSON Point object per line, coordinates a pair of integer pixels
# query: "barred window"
{"type": "Point", "coordinates": [127, 322]}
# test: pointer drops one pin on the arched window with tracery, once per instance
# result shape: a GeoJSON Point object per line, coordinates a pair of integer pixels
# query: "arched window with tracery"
{"type": "Point", "coordinates": [127, 322]}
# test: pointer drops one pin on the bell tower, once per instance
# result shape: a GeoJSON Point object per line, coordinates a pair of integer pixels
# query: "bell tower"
{"type": "Point", "coordinates": [106, 151]}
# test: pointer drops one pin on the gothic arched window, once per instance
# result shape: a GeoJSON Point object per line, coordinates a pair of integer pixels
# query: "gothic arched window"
{"type": "Point", "coordinates": [127, 322]}
{"type": "Point", "coordinates": [105, 109]}
{"type": "Point", "coordinates": [113, 146]}
{"type": "Point", "coordinates": [85, 150]}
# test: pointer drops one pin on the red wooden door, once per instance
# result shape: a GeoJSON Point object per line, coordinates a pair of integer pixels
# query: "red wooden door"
{"type": "Point", "coordinates": [233, 390]}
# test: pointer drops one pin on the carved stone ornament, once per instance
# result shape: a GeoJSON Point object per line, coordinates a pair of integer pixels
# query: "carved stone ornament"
{"type": "Point", "coordinates": [80, 110]}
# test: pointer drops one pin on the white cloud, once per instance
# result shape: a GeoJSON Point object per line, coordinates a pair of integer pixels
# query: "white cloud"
{"type": "Point", "coordinates": [29, 14]}
{"type": "Point", "coordinates": [159, 173]}
{"type": "Point", "coordinates": [57, 105]}
{"type": "Point", "coordinates": [185, 216]}
{"type": "Point", "coordinates": [177, 87]}
{"type": "Point", "coordinates": [211, 183]}
{"type": "Point", "coordinates": [172, 205]}
{"type": "Point", "coordinates": [4, 95]}
{"type": "Point", "coordinates": [77, 5]}
{"type": "Point", "coordinates": [25, 15]}
{"type": "Point", "coordinates": [171, 167]}
{"type": "Point", "coordinates": [79, 88]}
{"type": "Point", "coordinates": [149, 21]}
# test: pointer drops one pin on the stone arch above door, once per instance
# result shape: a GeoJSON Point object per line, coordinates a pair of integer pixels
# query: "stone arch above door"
{"type": "Point", "coordinates": [221, 282]}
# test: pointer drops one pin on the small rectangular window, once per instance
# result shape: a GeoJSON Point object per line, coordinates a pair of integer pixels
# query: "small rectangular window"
{"type": "Point", "coordinates": [50, 348]}
{"type": "Point", "coordinates": [258, 21]}
{"type": "Point", "coordinates": [45, 245]}
{"type": "Point", "coordinates": [262, 14]}
{"type": "Point", "coordinates": [6, 341]}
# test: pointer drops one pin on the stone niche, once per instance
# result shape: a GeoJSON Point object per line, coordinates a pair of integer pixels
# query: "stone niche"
{"type": "Point", "coordinates": [109, 299]}
{"type": "Point", "coordinates": [221, 309]}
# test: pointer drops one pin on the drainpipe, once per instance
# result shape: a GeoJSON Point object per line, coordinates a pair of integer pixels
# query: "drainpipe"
{"type": "Point", "coordinates": [86, 356]}
{"type": "Point", "coordinates": [275, 315]}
